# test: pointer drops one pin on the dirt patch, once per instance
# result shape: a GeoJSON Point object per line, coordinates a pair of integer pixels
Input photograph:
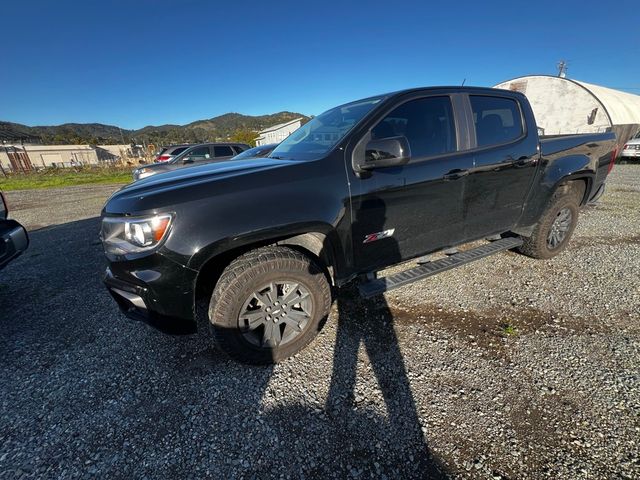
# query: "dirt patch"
{"type": "Point", "coordinates": [625, 190]}
{"type": "Point", "coordinates": [495, 329]}
{"type": "Point", "coordinates": [605, 240]}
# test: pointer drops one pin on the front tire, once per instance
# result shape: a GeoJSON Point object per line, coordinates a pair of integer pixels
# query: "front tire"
{"type": "Point", "coordinates": [268, 305]}
{"type": "Point", "coordinates": [554, 230]}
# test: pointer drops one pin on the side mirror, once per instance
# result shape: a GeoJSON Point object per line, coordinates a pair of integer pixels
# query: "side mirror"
{"type": "Point", "coordinates": [386, 152]}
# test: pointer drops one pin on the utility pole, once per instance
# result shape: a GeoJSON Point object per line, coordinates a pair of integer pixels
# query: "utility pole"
{"type": "Point", "coordinates": [562, 69]}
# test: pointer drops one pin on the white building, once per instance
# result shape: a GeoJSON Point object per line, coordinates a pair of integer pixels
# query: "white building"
{"type": "Point", "coordinates": [565, 106]}
{"type": "Point", "coordinates": [34, 157]}
{"type": "Point", "coordinates": [278, 133]}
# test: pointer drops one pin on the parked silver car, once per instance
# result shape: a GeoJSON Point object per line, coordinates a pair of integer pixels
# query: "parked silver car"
{"type": "Point", "coordinates": [631, 149]}
{"type": "Point", "coordinates": [193, 155]}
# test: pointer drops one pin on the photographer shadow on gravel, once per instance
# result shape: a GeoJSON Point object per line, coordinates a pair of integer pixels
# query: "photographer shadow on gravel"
{"type": "Point", "coordinates": [352, 435]}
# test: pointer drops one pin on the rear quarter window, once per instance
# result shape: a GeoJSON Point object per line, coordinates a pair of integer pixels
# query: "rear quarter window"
{"type": "Point", "coordinates": [497, 120]}
{"type": "Point", "coordinates": [222, 151]}
{"type": "Point", "coordinates": [177, 151]}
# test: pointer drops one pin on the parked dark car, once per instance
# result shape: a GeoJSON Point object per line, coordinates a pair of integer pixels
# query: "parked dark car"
{"type": "Point", "coordinates": [256, 152]}
{"type": "Point", "coordinates": [169, 152]}
{"type": "Point", "coordinates": [195, 154]}
{"type": "Point", "coordinates": [364, 186]}
{"type": "Point", "coordinates": [13, 237]}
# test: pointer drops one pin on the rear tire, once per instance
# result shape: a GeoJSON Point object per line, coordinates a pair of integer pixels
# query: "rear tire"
{"type": "Point", "coordinates": [554, 230]}
{"type": "Point", "coordinates": [268, 305]}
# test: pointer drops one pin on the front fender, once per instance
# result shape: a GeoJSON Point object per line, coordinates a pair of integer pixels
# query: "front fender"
{"type": "Point", "coordinates": [319, 238]}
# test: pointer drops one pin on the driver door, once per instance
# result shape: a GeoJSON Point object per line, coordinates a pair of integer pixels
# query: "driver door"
{"type": "Point", "coordinates": [409, 210]}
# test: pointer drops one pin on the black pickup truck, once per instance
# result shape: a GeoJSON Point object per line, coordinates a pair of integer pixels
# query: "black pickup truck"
{"type": "Point", "coordinates": [363, 186]}
{"type": "Point", "coordinates": [13, 237]}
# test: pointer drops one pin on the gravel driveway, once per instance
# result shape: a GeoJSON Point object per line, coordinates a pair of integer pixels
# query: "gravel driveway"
{"type": "Point", "coordinates": [506, 368]}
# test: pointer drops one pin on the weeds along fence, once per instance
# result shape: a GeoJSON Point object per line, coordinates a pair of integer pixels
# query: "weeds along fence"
{"type": "Point", "coordinates": [22, 170]}
{"type": "Point", "coordinates": [26, 159]}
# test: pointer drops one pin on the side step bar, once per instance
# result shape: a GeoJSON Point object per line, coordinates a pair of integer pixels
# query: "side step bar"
{"type": "Point", "coordinates": [375, 287]}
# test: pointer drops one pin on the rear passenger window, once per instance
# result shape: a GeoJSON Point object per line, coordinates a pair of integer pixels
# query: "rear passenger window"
{"type": "Point", "coordinates": [426, 122]}
{"type": "Point", "coordinates": [222, 151]}
{"type": "Point", "coordinates": [497, 119]}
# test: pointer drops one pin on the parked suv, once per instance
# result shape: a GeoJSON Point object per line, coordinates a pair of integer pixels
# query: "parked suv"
{"type": "Point", "coordinates": [193, 155]}
{"type": "Point", "coordinates": [13, 236]}
{"type": "Point", "coordinates": [364, 186]}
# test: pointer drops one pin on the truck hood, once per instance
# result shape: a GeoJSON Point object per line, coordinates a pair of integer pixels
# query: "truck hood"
{"type": "Point", "coordinates": [159, 185]}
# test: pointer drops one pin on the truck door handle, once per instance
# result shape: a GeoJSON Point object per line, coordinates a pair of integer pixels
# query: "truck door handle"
{"type": "Point", "coordinates": [455, 174]}
{"type": "Point", "coordinates": [523, 161]}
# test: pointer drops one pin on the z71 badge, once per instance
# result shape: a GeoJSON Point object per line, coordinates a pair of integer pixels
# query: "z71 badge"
{"type": "Point", "coordinates": [372, 237]}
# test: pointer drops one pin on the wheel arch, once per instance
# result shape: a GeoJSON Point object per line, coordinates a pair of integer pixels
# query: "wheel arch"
{"type": "Point", "coordinates": [563, 173]}
{"type": "Point", "coordinates": [320, 244]}
{"type": "Point", "coordinates": [569, 171]}
{"type": "Point", "coordinates": [580, 183]}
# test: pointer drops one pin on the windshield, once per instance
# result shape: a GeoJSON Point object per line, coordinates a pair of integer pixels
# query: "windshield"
{"type": "Point", "coordinates": [322, 133]}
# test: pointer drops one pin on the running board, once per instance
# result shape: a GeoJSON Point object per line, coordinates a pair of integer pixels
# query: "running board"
{"type": "Point", "coordinates": [375, 287]}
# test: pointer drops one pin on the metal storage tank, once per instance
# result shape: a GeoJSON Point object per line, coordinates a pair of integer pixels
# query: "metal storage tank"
{"type": "Point", "coordinates": [563, 106]}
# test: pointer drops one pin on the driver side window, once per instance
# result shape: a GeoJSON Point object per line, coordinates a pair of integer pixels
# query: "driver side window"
{"type": "Point", "coordinates": [427, 123]}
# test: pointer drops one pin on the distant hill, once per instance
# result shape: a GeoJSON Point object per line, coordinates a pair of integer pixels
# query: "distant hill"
{"type": "Point", "coordinates": [220, 128]}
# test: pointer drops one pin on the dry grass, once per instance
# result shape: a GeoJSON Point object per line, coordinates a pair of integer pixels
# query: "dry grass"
{"type": "Point", "coordinates": [62, 177]}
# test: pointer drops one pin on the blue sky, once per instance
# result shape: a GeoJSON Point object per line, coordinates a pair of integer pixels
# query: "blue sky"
{"type": "Point", "coordinates": [143, 62]}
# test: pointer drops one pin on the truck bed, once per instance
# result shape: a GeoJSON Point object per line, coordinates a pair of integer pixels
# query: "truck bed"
{"type": "Point", "coordinates": [552, 144]}
{"type": "Point", "coordinates": [599, 147]}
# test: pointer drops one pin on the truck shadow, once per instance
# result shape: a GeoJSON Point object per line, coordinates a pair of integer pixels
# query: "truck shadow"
{"type": "Point", "coordinates": [370, 323]}
{"type": "Point", "coordinates": [354, 434]}
{"type": "Point", "coordinates": [126, 392]}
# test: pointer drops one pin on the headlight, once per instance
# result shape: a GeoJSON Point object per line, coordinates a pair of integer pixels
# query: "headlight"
{"type": "Point", "coordinates": [137, 172]}
{"type": "Point", "coordinates": [122, 235]}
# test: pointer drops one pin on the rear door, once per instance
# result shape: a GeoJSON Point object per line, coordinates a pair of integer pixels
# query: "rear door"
{"type": "Point", "coordinates": [505, 161]}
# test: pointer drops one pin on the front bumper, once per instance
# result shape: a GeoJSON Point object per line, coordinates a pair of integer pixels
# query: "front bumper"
{"type": "Point", "coordinates": [630, 153]}
{"type": "Point", "coordinates": [158, 293]}
{"type": "Point", "coordinates": [13, 241]}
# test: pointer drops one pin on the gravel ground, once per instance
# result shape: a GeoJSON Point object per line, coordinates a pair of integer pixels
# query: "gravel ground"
{"type": "Point", "coordinates": [506, 368]}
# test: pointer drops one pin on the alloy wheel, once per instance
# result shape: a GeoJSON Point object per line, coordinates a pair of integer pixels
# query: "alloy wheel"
{"type": "Point", "coordinates": [275, 314]}
{"type": "Point", "coordinates": [560, 228]}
